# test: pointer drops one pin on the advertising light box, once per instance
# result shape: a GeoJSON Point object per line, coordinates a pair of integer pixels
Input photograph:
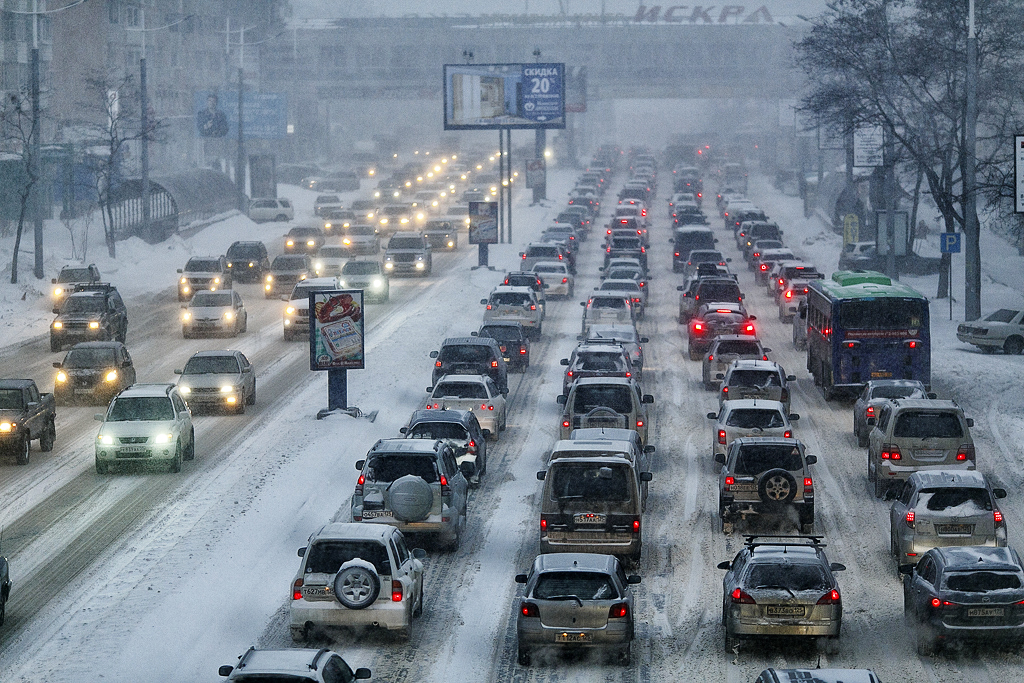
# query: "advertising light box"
{"type": "Point", "coordinates": [336, 333]}
{"type": "Point", "coordinates": [494, 96]}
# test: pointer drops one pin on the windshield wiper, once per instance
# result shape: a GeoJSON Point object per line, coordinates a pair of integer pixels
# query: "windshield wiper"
{"type": "Point", "coordinates": [776, 586]}
{"type": "Point", "coordinates": [565, 597]}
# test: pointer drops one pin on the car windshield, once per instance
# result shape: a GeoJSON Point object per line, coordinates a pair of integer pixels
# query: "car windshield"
{"type": "Point", "coordinates": [719, 292]}
{"type": "Point", "coordinates": [521, 280]}
{"type": "Point", "coordinates": [882, 314]}
{"type": "Point", "coordinates": [597, 361]}
{"type": "Point", "coordinates": [202, 266]}
{"type": "Point", "coordinates": [739, 348]}
{"type": "Point", "coordinates": [328, 199]}
{"type": "Point", "coordinates": [897, 391]}
{"type": "Point", "coordinates": [133, 408]}
{"type": "Point", "coordinates": [362, 230]}
{"type": "Point", "coordinates": [755, 418]}
{"type": "Point", "coordinates": [590, 481]}
{"type": "Point", "coordinates": [958, 501]}
{"type": "Point", "coordinates": [83, 304]}
{"type": "Point", "coordinates": [387, 467]}
{"type": "Point", "coordinates": [609, 302]}
{"type": "Point", "coordinates": [289, 263]}
{"type": "Point", "coordinates": [332, 252]}
{"type": "Point", "coordinates": [754, 378]}
{"type": "Point", "coordinates": [406, 243]}
{"type": "Point", "coordinates": [74, 275]}
{"type": "Point", "coordinates": [305, 232]}
{"type": "Point", "coordinates": [460, 390]}
{"type": "Point", "coordinates": [244, 251]}
{"type": "Point", "coordinates": [788, 575]}
{"type": "Point", "coordinates": [626, 243]}
{"type": "Point", "coordinates": [616, 397]}
{"type": "Point", "coordinates": [438, 430]}
{"type": "Point", "coordinates": [90, 358]}
{"type": "Point", "coordinates": [326, 557]}
{"type": "Point", "coordinates": [211, 365]}
{"type": "Point", "coordinates": [758, 458]}
{"type": "Point", "coordinates": [360, 268]}
{"type": "Point", "coordinates": [706, 256]}
{"type": "Point", "coordinates": [1003, 315]}
{"type": "Point", "coordinates": [465, 353]}
{"type": "Point", "coordinates": [919, 424]}
{"type": "Point", "coordinates": [582, 585]}
{"type": "Point", "coordinates": [501, 332]}
{"type": "Point", "coordinates": [205, 298]}
{"type": "Point", "coordinates": [510, 299]}
{"type": "Point", "coordinates": [981, 581]}
{"type": "Point", "coordinates": [10, 399]}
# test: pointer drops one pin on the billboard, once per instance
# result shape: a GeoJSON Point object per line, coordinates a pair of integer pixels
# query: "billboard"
{"type": "Point", "coordinates": [868, 146]}
{"type": "Point", "coordinates": [491, 96]}
{"type": "Point", "coordinates": [483, 222]}
{"type": "Point", "coordinates": [266, 114]}
{"type": "Point", "coordinates": [336, 330]}
{"type": "Point", "coordinates": [1018, 173]}
{"type": "Point", "coordinates": [536, 173]}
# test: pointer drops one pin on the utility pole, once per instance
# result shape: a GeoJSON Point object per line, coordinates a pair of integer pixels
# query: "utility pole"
{"type": "Point", "coordinates": [144, 153]}
{"type": "Point", "coordinates": [972, 231]}
{"type": "Point", "coordinates": [240, 162]}
{"type": "Point", "coordinates": [36, 203]}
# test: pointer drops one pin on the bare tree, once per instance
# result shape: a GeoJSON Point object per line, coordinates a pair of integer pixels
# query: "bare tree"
{"type": "Point", "coordinates": [18, 129]}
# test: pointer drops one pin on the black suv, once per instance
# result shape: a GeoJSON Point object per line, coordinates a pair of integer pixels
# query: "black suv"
{"type": "Point", "coordinates": [470, 356]}
{"type": "Point", "coordinates": [512, 340]}
{"type": "Point", "coordinates": [248, 261]}
{"type": "Point", "coordinates": [97, 371]}
{"type": "Point", "coordinates": [93, 312]}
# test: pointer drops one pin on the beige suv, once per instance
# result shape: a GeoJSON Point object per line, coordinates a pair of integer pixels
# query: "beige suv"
{"type": "Point", "coordinates": [916, 435]}
{"type": "Point", "coordinates": [610, 402]}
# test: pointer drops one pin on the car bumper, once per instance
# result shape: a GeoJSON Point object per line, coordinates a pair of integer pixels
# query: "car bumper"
{"type": "Point", "coordinates": [215, 400]}
{"type": "Point", "coordinates": [732, 507]}
{"type": "Point", "coordinates": [913, 548]}
{"type": "Point", "coordinates": [533, 633]}
{"type": "Point", "coordinates": [621, 545]}
{"type": "Point", "coordinates": [987, 633]}
{"type": "Point", "coordinates": [767, 627]}
{"type": "Point", "coordinates": [152, 453]}
{"type": "Point", "coordinates": [407, 268]}
{"type": "Point", "coordinates": [218, 327]}
{"type": "Point", "coordinates": [980, 341]}
{"type": "Point", "coordinates": [559, 289]}
{"type": "Point", "coordinates": [328, 613]}
{"type": "Point", "coordinates": [886, 471]}
{"type": "Point", "coordinates": [434, 524]}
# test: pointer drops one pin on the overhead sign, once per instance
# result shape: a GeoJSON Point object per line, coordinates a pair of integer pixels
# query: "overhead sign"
{"type": "Point", "coordinates": [336, 330]}
{"type": "Point", "coordinates": [949, 243]}
{"type": "Point", "coordinates": [265, 114]}
{"type": "Point", "coordinates": [1018, 173]}
{"type": "Point", "coordinates": [868, 147]}
{"type": "Point", "coordinates": [483, 222]}
{"type": "Point", "coordinates": [703, 14]}
{"type": "Point", "coordinates": [490, 96]}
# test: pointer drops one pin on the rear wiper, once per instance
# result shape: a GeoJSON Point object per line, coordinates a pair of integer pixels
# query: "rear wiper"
{"type": "Point", "coordinates": [776, 586]}
{"type": "Point", "coordinates": [565, 597]}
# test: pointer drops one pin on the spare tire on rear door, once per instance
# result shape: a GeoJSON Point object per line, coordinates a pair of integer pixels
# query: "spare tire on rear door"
{"type": "Point", "coordinates": [410, 498]}
{"type": "Point", "coordinates": [357, 585]}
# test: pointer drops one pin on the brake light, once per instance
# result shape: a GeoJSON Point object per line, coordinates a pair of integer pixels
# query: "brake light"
{"type": "Point", "coordinates": [909, 519]}
{"type": "Point", "coordinates": [565, 423]}
{"type": "Point", "coordinates": [530, 610]}
{"type": "Point", "coordinates": [789, 294]}
{"type": "Point", "coordinates": [997, 517]}
{"type": "Point", "coordinates": [619, 610]}
{"type": "Point", "coordinates": [739, 597]}
{"type": "Point", "coordinates": [543, 524]}
{"type": "Point", "coordinates": [636, 526]}
{"type": "Point", "coordinates": [756, 255]}
{"type": "Point", "coordinates": [729, 481]}
{"type": "Point", "coordinates": [764, 266]}
{"type": "Point", "coordinates": [808, 485]}
{"type": "Point", "coordinates": [764, 357]}
{"type": "Point", "coordinates": [494, 363]}
{"type": "Point", "coordinates": [608, 250]}
{"type": "Point", "coordinates": [533, 307]}
{"type": "Point", "coordinates": [565, 280]}
{"type": "Point", "coordinates": [911, 344]}
{"type": "Point", "coordinates": [472, 446]}
{"type": "Point", "coordinates": [870, 412]}
{"type": "Point", "coordinates": [749, 329]}
{"type": "Point", "coordinates": [522, 350]}
{"type": "Point", "coordinates": [965, 452]}
{"type": "Point", "coordinates": [698, 326]}
{"type": "Point", "coordinates": [677, 254]}
{"type": "Point", "coordinates": [721, 438]}
{"type": "Point", "coordinates": [787, 434]}
{"type": "Point", "coordinates": [643, 212]}
{"type": "Point", "coordinates": [830, 598]}
{"type": "Point", "coordinates": [711, 357]}
{"type": "Point", "coordinates": [396, 591]}
{"type": "Point", "coordinates": [559, 257]}
{"type": "Point", "coordinates": [296, 590]}
{"type": "Point", "coordinates": [781, 281]}
{"type": "Point", "coordinates": [935, 602]}
{"type": "Point", "coordinates": [437, 364]}
{"type": "Point", "coordinates": [524, 255]}
{"type": "Point", "coordinates": [891, 452]}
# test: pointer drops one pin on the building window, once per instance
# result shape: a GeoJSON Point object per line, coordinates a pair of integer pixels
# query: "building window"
{"type": "Point", "coordinates": [10, 31]}
{"type": "Point", "coordinates": [132, 15]}
{"type": "Point", "coordinates": [113, 9]}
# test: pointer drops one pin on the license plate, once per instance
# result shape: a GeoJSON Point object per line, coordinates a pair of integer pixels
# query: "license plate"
{"type": "Point", "coordinates": [589, 518]}
{"type": "Point", "coordinates": [880, 374]}
{"type": "Point", "coordinates": [131, 449]}
{"type": "Point", "coordinates": [743, 487]}
{"type": "Point", "coordinates": [785, 610]}
{"type": "Point", "coordinates": [957, 529]}
{"type": "Point", "coordinates": [316, 591]}
{"type": "Point", "coordinates": [83, 391]}
{"type": "Point", "coordinates": [985, 612]}
{"type": "Point", "coordinates": [374, 514]}
{"type": "Point", "coordinates": [465, 371]}
{"type": "Point", "coordinates": [507, 311]}
{"type": "Point", "coordinates": [573, 637]}
{"type": "Point", "coordinates": [931, 454]}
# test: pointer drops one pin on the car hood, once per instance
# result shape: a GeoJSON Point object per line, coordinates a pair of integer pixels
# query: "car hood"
{"type": "Point", "coordinates": [206, 312]}
{"type": "Point", "coordinates": [137, 428]}
{"type": "Point", "coordinates": [9, 414]}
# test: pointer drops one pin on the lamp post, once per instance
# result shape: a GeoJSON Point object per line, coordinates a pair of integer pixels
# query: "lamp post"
{"type": "Point", "coordinates": [972, 250]}
{"type": "Point", "coordinates": [37, 209]}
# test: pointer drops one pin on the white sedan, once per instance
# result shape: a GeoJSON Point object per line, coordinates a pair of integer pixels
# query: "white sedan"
{"type": "Point", "coordinates": [557, 279]}
{"type": "Point", "coordinates": [477, 393]}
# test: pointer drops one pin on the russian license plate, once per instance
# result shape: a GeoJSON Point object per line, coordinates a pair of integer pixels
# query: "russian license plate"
{"type": "Point", "coordinates": [785, 610]}
{"type": "Point", "coordinates": [743, 487]}
{"type": "Point", "coordinates": [589, 518]}
{"type": "Point", "coordinates": [128, 450]}
{"type": "Point", "coordinates": [316, 591]}
{"type": "Point", "coordinates": [956, 529]}
{"type": "Point", "coordinates": [82, 391]}
{"type": "Point", "coordinates": [465, 371]}
{"type": "Point", "coordinates": [985, 612]}
{"type": "Point", "coordinates": [929, 454]}
{"type": "Point", "coordinates": [374, 514]}
{"type": "Point", "coordinates": [573, 637]}
{"type": "Point", "coordinates": [880, 374]}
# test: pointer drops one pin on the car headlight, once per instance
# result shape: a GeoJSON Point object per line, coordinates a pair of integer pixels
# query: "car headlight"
{"type": "Point", "coordinates": [270, 278]}
{"type": "Point", "coordinates": [290, 310]}
{"type": "Point", "coordinates": [58, 291]}
{"type": "Point", "coordinates": [184, 390]}
{"type": "Point", "coordinates": [383, 221]}
{"type": "Point", "coordinates": [186, 315]}
{"type": "Point", "coordinates": [226, 389]}
{"type": "Point", "coordinates": [251, 264]}
{"type": "Point", "coordinates": [6, 427]}
{"type": "Point", "coordinates": [57, 324]}
{"type": "Point", "coordinates": [111, 376]}
{"type": "Point", "coordinates": [327, 226]}
{"type": "Point", "coordinates": [290, 243]}
{"type": "Point", "coordinates": [343, 284]}
{"type": "Point", "coordinates": [163, 438]}
{"type": "Point", "coordinates": [318, 267]}
{"type": "Point", "coordinates": [404, 221]}
{"type": "Point", "coordinates": [451, 243]}
{"type": "Point", "coordinates": [377, 283]}
{"type": "Point", "coordinates": [310, 243]}
{"type": "Point", "coordinates": [347, 242]}
{"type": "Point", "coordinates": [216, 280]}
{"type": "Point", "coordinates": [228, 315]}
{"type": "Point", "coordinates": [105, 439]}
{"type": "Point", "coordinates": [419, 216]}
{"type": "Point", "coordinates": [389, 265]}
{"type": "Point", "coordinates": [184, 281]}
{"type": "Point", "coordinates": [62, 376]}
{"type": "Point", "coordinates": [94, 325]}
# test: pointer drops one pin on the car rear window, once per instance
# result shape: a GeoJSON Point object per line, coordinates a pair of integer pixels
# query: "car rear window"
{"type": "Point", "coordinates": [739, 348]}
{"type": "Point", "coordinates": [387, 467]}
{"type": "Point", "coordinates": [922, 425]}
{"type": "Point", "coordinates": [468, 353]}
{"type": "Point", "coordinates": [549, 268]}
{"type": "Point", "coordinates": [501, 332]}
{"type": "Point", "coordinates": [981, 581]}
{"type": "Point", "coordinates": [630, 286]}
{"type": "Point", "coordinates": [957, 501]}
{"type": "Point", "coordinates": [610, 302]}
{"type": "Point", "coordinates": [757, 458]}
{"type": "Point", "coordinates": [460, 390]}
{"type": "Point", "coordinates": [582, 585]}
{"type": "Point", "coordinates": [626, 243]}
{"type": "Point", "coordinates": [794, 576]}
{"type": "Point", "coordinates": [534, 252]}
{"type": "Point", "coordinates": [896, 391]}
{"type": "Point", "coordinates": [755, 418]}
{"type": "Point", "coordinates": [754, 378]}
{"type": "Point", "coordinates": [588, 397]}
{"type": "Point", "coordinates": [600, 361]}
{"type": "Point", "coordinates": [326, 557]}
{"type": "Point", "coordinates": [510, 299]}
{"type": "Point", "coordinates": [722, 292]}
{"type": "Point", "coordinates": [590, 481]}
{"type": "Point", "coordinates": [438, 430]}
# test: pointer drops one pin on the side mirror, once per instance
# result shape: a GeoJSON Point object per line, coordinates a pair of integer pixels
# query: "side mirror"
{"type": "Point", "coordinates": [179, 270]}
{"type": "Point", "coordinates": [970, 422]}
{"type": "Point", "coordinates": [752, 317]}
{"type": "Point", "coordinates": [402, 430]}
{"type": "Point", "coordinates": [793, 417]}
{"type": "Point", "coordinates": [359, 464]}
{"type": "Point", "coordinates": [419, 553]}
{"type": "Point", "coordinates": [486, 433]}
{"type": "Point", "coordinates": [433, 354]}
{"type": "Point", "coordinates": [225, 670]}
{"type": "Point", "coordinates": [811, 459]}
{"type": "Point", "coordinates": [720, 458]}
{"type": "Point", "coordinates": [583, 303]}
{"type": "Point", "coordinates": [504, 392]}
{"type": "Point", "coordinates": [483, 301]}
{"type": "Point", "coordinates": [649, 449]}
{"type": "Point", "coordinates": [541, 475]}
{"type": "Point", "coordinates": [474, 334]}
{"type": "Point", "coordinates": [932, 395]}
{"type": "Point", "coordinates": [98, 417]}
{"type": "Point", "coordinates": [521, 578]}
{"type": "Point", "coordinates": [646, 476]}
{"type": "Point", "coordinates": [430, 390]}
{"type": "Point", "coordinates": [719, 375]}
{"type": "Point", "coordinates": [906, 570]}
{"type": "Point", "coordinates": [362, 673]}
{"type": "Point", "coordinates": [302, 551]}
{"type": "Point", "coordinates": [837, 567]}
{"type": "Point", "coordinates": [53, 280]}
{"type": "Point", "coordinates": [178, 371]}
{"type": "Point", "coordinates": [767, 350]}
{"type": "Point", "coordinates": [644, 340]}
{"type": "Point", "coordinates": [633, 579]}
{"type": "Point", "coordinates": [712, 416]}
{"type": "Point", "coordinates": [522, 253]}
{"type": "Point", "coordinates": [564, 361]}
{"type": "Point", "coordinates": [647, 398]}
{"type": "Point", "coordinates": [561, 399]}
{"type": "Point", "coordinates": [57, 364]}
{"type": "Point", "coordinates": [680, 288]}
{"type": "Point", "coordinates": [727, 260]}
{"type": "Point", "coordinates": [872, 421]}
{"type": "Point", "coordinates": [999, 493]}
{"type": "Point", "coordinates": [790, 378]}
{"type": "Point", "coordinates": [725, 565]}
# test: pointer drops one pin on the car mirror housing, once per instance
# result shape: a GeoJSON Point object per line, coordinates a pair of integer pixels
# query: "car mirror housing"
{"type": "Point", "coordinates": [649, 449]}
{"type": "Point", "coordinates": [790, 378]}
{"type": "Point", "coordinates": [359, 464]}
{"type": "Point", "coordinates": [521, 578]}
{"type": "Point", "coordinates": [402, 430]}
{"type": "Point", "coordinates": [837, 567]}
{"type": "Point", "coordinates": [793, 417]}
{"type": "Point", "coordinates": [906, 570]}
{"type": "Point", "coordinates": [999, 493]}
{"type": "Point", "coordinates": [227, 668]}
{"type": "Point", "coordinates": [767, 350]}
{"type": "Point", "coordinates": [720, 458]}
{"type": "Point", "coordinates": [483, 301]}
{"type": "Point", "coordinates": [811, 459]}
{"type": "Point", "coordinates": [564, 361]}
{"type": "Point", "coordinates": [932, 395]}
{"type": "Point", "coordinates": [633, 579]}
{"type": "Point", "coordinates": [970, 422]}
{"type": "Point", "coordinates": [646, 476]}
{"type": "Point", "coordinates": [647, 398]}
{"type": "Point", "coordinates": [725, 565]}
{"type": "Point", "coordinates": [712, 416]}
{"type": "Point", "coordinates": [541, 475]}
{"type": "Point", "coordinates": [302, 551]}
{"type": "Point", "coordinates": [419, 553]}
{"type": "Point", "coordinates": [560, 399]}
{"type": "Point", "coordinates": [474, 334]}
{"type": "Point", "coordinates": [362, 673]}
{"type": "Point", "coordinates": [644, 340]}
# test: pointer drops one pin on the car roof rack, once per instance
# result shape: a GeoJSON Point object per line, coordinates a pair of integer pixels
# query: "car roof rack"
{"type": "Point", "coordinates": [785, 541]}
{"type": "Point", "coordinates": [94, 287]}
{"type": "Point", "coordinates": [316, 658]}
{"type": "Point", "coordinates": [241, 660]}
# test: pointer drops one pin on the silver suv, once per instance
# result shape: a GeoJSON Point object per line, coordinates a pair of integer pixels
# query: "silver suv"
{"type": "Point", "coordinates": [765, 475]}
{"type": "Point", "coordinates": [356, 575]}
{"type": "Point", "coordinates": [414, 485]}
{"type": "Point", "coordinates": [145, 423]}
{"type": "Point", "coordinates": [314, 666]}
{"type": "Point", "coordinates": [917, 434]}
{"type": "Point", "coordinates": [517, 304]}
{"type": "Point", "coordinates": [760, 379]}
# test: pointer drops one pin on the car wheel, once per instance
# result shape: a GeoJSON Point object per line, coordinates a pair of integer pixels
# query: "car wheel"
{"type": "Point", "coordinates": [245, 323]}
{"type": "Point", "coordinates": [55, 345]}
{"type": "Point", "coordinates": [418, 612]}
{"type": "Point", "coordinates": [48, 437]}
{"type": "Point", "coordinates": [880, 487]}
{"type": "Point", "coordinates": [925, 640]}
{"type": "Point", "coordinates": [1013, 346]}
{"type": "Point", "coordinates": [102, 467]}
{"type": "Point", "coordinates": [523, 656]}
{"type": "Point", "coordinates": [251, 400]}
{"type": "Point", "coordinates": [240, 407]}
{"type": "Point", "coordinates": [862, 439]}
{"type": "Point", "coordinates": [357, 586]}
{"type": "Point", "coordinates": [871, 470]}
{"type": "Point", "coordinates": [731, 642]}
{"type": "Point", "coordinates": [281, 218]}
{"type": "Point", "coordinates": [23, 450]}
{"type": "Point", "coordinates": [456, 540]}
{"type": "Point", "coordinates": [190, 452]}
{"type": "Point", "coordinates": [176, 462]}
{"type": "Point", "coordinates": [298, 634]}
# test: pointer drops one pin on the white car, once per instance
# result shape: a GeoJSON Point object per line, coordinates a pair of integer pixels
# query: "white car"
{"type": "Point", "coordinates": [296, 313]}
{"type": "Point", "coordinates": [606, 308]}
{"type": "Point", "coordinates": [557, 279]}
{"type": "Point", "coordinates": [145, 423]}
{"type": "Point", "coordinates": [271, 209]}
{"type": "Point", "coordinates": [749, 417]}
{"type": "Point", "coordinates": [330, 259]}
{"type": "Point", "coordinates": [210, 313]}
{"type": "Point", "coordinates": [1003, 329]}
{"type": "Point", "coordinates": [518, 304]}
{"type": "Point", "coordinates": [637, 294]}
{"type": "Point", "coordinates": [477, 393]}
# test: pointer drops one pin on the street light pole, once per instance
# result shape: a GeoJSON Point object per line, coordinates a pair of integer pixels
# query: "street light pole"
{"type": "Point", "coordinates": [144, 153]}
{"type": "Point", "coordinates": [972, 250]}
{"type": "Point", "coordinates": [240, 162]}
{"type": "Point", "coordinates": [37, 209]}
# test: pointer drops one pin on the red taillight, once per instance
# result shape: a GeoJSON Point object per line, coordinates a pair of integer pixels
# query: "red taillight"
{"type": "Point", "coordinates": [619, 610]}
{"type": "Point", "coordinates": [965, 452]}
{"type": "Point", "coordinates": [912, 344]}
{"type": "Point", "coordinates": [697, 326]}
{"type": "Point", "coordinates": [749, 329]}
{"type": "Point", "coordinates": [636, 526]}
{"type": "Point", "coordinates": [565, 424]}
{"type": "Point", "coordinates": [362, 480]}
{"type": "Point", "coordinates": [569, 373]}
{"type": "Point", "coordinates": [870, 412]}
{"type": "Point", "coordinates": [935, 602]}
{"type": "Point", "coordinates": [787, 434]}
{"type": "Point", "coordinates": [530, 610]}
{"type": "Point", "coordinates": [909, 518]}
{"type": "Point", "coordinates": [488, 307]}
{"type": "Point", "coordinates": [559, 257]}
{"type": "Point", "coordinates": [297, 589]}
{"type": "Point", "coordinates": [756, 255]}
{"type": "Point", "coordinates": [739, 597]}
{"type": "Point", "coordinates": [711, 357]}
{"type": "Point", "coordinates": [608, 250]}
{"type": "Point", "coordinates": [533, 307]}
{"type": "Point", "coordinates": [781, 281]}
{"type": "Point", "coordinates": [891, 452]}
{"type": "Point", "coordinates": [522, 350]}
{"type": "Point", "coordinates": [472, 446]}
{"type": "Point", "coordinates": [445, 490]}
{"type": "Point", "coordinates": [494, 363]}
{"type": "Point", "coordinates": [830, 598]}
{"type": "Point", "coordinates": [543, 523]}
{"type": "Point", "coordinates": [764, 357]}
{"type": "Point", "coordinates": [764, 266]}
{"type": "Point", "coordinates": [565, 280]}
{"type": "Point", "coordinates": [677, 254]}
{"type": "Point", "coordinates": [789, 294]}
{"type": "Point", "coordinates": [808, 484]}
{"type": "Point", "coordinates": [396, 591]}
{"type": "Point", "coordinates": [721, 436]}
{"type": "Point", "coordinates": [437, 364]}
{"type": "Point", "coordinates": [997, 517]}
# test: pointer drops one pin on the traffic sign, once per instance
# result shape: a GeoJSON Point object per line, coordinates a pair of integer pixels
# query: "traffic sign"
{"type": "Point", "coordinates": [949, 243]}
